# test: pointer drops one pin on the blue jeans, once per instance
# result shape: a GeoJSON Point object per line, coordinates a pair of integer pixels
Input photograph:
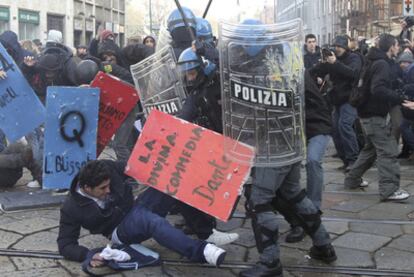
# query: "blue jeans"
{"type": "Point", "coordinates": [314, 171]}
{"type": "Point", "coordinates": [343, 135]}
{"type": "Point", "coordinates": [200, 223]}
{"type": "Point", "coordinates": [141, 224]}
{"type": "Point", "coordinates": [407, 132]}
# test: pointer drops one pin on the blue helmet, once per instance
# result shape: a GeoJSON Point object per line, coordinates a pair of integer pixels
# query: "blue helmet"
{"type": "Point", "coordinates": [251, 50]}
{"type": "Point", "coordinates": [204, 30]}
{"type": "Point", "coordinates": [191, 67]}
{"type": "Point", "coordinates": [175, 19]}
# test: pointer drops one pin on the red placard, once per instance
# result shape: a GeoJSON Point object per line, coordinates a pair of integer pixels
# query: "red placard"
{"type": "Point", "coordinates": [188, 162]}
{"type": "Point", "coordinates": [117, 100]}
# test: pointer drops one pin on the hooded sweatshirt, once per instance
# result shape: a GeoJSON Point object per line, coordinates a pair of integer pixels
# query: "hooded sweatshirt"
{"type": "Point", "coordinates": [381, 96]}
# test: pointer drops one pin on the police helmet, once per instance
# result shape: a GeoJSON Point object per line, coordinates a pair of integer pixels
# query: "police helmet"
{"type": "Point", "coordinates": [191, 67]}
{"type": "Point", "coordinates": [175, 19]}
{"type": "Point", "coordinates": [252, 50]}
{"type": "Point", "coordinates": [204, 31]}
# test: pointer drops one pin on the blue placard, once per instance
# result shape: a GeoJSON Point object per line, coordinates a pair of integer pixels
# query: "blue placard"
{"type": "Point", "coordinates": [70, 133]}
{"type": "Point", "coordinates": [20, 109]}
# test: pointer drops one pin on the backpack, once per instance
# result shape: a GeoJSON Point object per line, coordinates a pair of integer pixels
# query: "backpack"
{"type": "Point", "coordinates": [361, 92]}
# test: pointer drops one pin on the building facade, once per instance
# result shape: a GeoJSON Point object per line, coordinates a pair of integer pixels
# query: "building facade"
{"type": "Point", "coordinates": [78, 20]}
{"type": "Point", "coordinates": [328, 18]}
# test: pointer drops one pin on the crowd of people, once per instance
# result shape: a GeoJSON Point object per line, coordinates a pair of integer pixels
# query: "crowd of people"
{"type": "Point", "coordinates": [360, 96]}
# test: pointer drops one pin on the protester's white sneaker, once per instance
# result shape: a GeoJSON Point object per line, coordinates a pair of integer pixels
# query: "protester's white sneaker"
{"type": "Point", "coordinates": [213, 254]}
{"type": "Point", "coordinates": [33, 184]}
{"type": "Point", "coordinates": [398, 195]}
{"type": "Point", "coordinates": [221, 238]}
{"type": "Point", "coordinates": [364, 184]}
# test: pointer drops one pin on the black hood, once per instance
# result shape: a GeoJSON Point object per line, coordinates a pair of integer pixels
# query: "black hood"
{"type": "Point", "coordinates": [13, 47]}
{"type": "Point", "coordinates": [109, 46]}
{"type": "Point", "coordinates": [376, 54]}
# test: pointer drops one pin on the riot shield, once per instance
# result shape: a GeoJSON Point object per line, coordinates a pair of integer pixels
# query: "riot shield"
{"type": "Point", "coordinates": [262, 77]}
{"type": "Point", "coordinates": [158, 82]}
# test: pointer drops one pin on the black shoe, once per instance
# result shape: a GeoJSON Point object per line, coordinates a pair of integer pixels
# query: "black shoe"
{"type": "Point", "coordinates": [325, 253]}
{"type": "Point", "coordinates": [295, 234]}
{"type": "Point", "coordinates": [264, 270]}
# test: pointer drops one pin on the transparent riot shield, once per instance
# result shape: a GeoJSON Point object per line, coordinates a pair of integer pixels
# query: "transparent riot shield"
{"type": "Point", "coordinates": [262, 75]}
{"type": "Point", "coordinates": [158, 82]}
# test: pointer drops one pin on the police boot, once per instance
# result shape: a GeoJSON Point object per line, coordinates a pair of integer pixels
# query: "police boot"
{"type": "Point", "coordinates": [264, 270]}
{"type": "Point", "coordinates": [325, 253]}
{"type": "Point", "coordinates": [295, 234]}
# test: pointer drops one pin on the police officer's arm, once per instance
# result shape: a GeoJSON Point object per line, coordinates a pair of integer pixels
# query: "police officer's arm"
{"type": "Point", "coordinates": [350, 71]}
{"type": "Point", "coordinates": [380, 82]}
{"type": "Point", "coordinates": [69, 232]}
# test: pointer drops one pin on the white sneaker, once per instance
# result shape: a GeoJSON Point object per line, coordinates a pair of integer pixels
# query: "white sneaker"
{"type": "Point", "coordinates": [364, 184]}
{"type": "Point", "coordinates": [33, 184]}
{"type": "Point", "coordinates": [213, 254]}
{"type": "Point", "coordinates": [398, 195]}
{"type": "Point", "coordinates": [221, 238]}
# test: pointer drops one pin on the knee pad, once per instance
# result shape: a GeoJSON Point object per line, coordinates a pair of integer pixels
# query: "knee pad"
{"type": "Point", "coordinates": [293, 211]}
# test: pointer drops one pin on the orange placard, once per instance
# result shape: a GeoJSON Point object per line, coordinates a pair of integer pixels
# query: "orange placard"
{"type": "Point", "coordinates": [188, 162]}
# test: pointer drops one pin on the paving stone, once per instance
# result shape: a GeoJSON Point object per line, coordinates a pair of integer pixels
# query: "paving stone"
{"type": "Point", "coordinates": [305, 244]}
{"type": "Point", "coordinates": [353, 258]}
{"type": "Point", "coordinates": [360, 241]}
{"type": "Point", "coordinates": [390, 258]}
{"type": "Point", "coordinates": [153, 271]}
{"type": "Point", "coordinates": [33, 263]}
{"type": "Point", "coordinates": [41, 272]}
{"type": "Point", "coordinates": [388, 230]}
{"type": "Point", "coordinates": [388, 211]}
{"type": "Point", "coordinates": [336, 227]}
{"type": "Point", "coordinates": [353, 206]}
{"type": "Point", "coordinates": [293, 256]}
{"type": "Point", "coordinates": [319, 274]}
{"type": "Point", "coordinates": [235, 253]}
{"type": "Point", "coordinates": [39, 241]}
{"type": "Point", "coordinates": [408, 229]}
{"type": "Point", "coordinates": [4, 219]}
{"type": "Point", "coordinates": [8, 238]}
{"type": "Point", "coordinates": [6, 265]}
{"type": "Point", "coordinates": [73, 267]}
{"type": "Point", "coordinates": [46, 213]}
{"type": "Point", "coordinates": [405, 243]}
{"type": "Point", "coordinates": [252, 255]}
{"type": "Point", "coordinates": [340, 214]}
{"type": "Point", "coordinates": [29, 226]}
{"type": "Point", "coordinates": [246, 237]}
{"type": "Point", "coordinates": [196, 271]}
{"type": "Point", "coordinates": [232, 224]}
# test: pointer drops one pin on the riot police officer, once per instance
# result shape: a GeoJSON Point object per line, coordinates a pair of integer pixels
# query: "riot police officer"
{"type": "Point", "coordinates": [254, 72]}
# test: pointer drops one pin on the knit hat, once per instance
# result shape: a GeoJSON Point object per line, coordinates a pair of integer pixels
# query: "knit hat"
{"type": "Point", "coordinates": [106, 34]}
{"type": "Point", "coordinates": [341, 41]}
{"type": "Point", "coordinates": [405, 57]}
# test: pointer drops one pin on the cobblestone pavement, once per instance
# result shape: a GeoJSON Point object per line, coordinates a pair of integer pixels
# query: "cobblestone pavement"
{"type": "Point", "coordinates": [367, 233]}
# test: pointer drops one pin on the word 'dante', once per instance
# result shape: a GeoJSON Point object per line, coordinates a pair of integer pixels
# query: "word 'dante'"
{"type": "Point", "coordinates": [188, 162]}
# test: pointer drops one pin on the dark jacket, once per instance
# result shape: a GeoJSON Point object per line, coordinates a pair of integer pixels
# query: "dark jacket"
{"type": "Point", "coordinates": [13, 47]}
{"type": "Point", "coordinates": [379, 77]}
{"type": "Point", "coordinates": [344, 74]}
{"type": "Point", "coordinates": [79, 211]}
{"type": "Point", "coordinates": [318, 115]}
{"type": "Point", "coordinates": [135, 53]}
{"type": "Point", "coordinates": [311, 59]}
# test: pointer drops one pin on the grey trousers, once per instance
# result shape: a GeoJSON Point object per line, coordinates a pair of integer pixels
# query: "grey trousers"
{"type": "Point", "coordinates": [285, 181]}
{"type": "Point", "coordinates": [380, 145]}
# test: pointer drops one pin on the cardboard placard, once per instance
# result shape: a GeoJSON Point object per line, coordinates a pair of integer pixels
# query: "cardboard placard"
{"type": "Point", "coordinates": [70, 133]}
{"type": "Point", "coordinates": [20, 109]}
{"type": "Point", "coordinates": [117, 99]}
{"type": "Point", "coordinates": [188, 162]}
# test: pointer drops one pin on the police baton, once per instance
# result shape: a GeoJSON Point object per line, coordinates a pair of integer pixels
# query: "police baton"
{"type": "Point", "coordinates": [180, 9]}
{"type": "Point", "coordinates": [207, 8]}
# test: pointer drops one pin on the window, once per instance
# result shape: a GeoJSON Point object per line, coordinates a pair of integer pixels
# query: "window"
{"type": "Point", "coordinates": [56, 22]}
{"type": "Point", "coordinates": [27, 31]}
{"type": "Point", "coordinates": [4, 26]}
